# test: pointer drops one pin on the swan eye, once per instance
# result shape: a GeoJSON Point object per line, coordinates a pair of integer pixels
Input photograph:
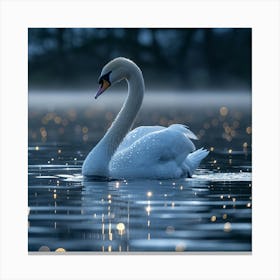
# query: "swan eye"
{"type": "Point", "coordinates": [105, 77]}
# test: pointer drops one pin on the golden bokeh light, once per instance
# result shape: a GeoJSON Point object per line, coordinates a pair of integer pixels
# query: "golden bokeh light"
{"type": "Point", "coordinates": [85, 130]}
{"type": "Point", "coordinates": [213, 219]}
{"type": "Point", "coordinates": [60, 250]}
{"type": "Point", "coordinates": [57, 120]}
{"type": "Point", "coordinates": [223, 111]}
{"type": "Point", "coordinates": [148, 209]}
{"type": "Point", "coordinates": [245, 145]}
{"type": "Point", "coordinates": [227, 227]}
{"type": "Point", "coordinates": [120, 228]}
{"type": "Point", "coordinates": [149, 194]}
{"type": "Point", "coordinates": [248, 130]}
{"type": "Point", "coordinates": [180, 247]}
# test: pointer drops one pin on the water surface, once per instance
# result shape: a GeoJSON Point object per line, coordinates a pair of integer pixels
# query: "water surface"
{"type": "Point", "coordinates": [209, 212]}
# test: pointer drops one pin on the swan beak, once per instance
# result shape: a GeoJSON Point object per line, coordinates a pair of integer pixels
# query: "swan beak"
{"type": "Point", "coordinates": [103, 86]}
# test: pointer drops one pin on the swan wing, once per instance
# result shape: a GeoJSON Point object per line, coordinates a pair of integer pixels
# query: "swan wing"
{"type": "Point", "coordinates": [157, 154]}
{"type": "Point", "coordinates": [141, 131]}
{"type": "Point", "coordinates": [136, 134]}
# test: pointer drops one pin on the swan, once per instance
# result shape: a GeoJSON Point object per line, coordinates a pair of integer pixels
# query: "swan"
{"type": "Point", "coordinates": [151, 152]}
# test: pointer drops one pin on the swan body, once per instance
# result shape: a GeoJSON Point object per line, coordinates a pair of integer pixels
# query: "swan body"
{"type": "Point", "coordinates": [153, 152]}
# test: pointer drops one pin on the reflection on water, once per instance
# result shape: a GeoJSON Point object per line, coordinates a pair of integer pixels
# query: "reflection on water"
{"type": "Point", "coordinates": [209, 212]}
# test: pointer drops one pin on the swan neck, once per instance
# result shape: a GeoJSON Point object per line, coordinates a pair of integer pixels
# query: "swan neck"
{"type": "Point", "coordinates": [125, 119]}
{"type": "Point", "coordinates": [97, 162]}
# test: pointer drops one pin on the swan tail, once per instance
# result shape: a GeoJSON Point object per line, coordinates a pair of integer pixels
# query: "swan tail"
{"type": "Point", "coordinates": [193, 160]}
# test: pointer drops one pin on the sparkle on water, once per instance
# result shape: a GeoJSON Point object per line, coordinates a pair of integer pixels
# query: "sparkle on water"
{"type": "Point", "coordinates": [209, 212]}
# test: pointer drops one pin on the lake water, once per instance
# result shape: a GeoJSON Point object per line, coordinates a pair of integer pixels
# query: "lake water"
{"type": "Point", "coordinates": [207, 213]}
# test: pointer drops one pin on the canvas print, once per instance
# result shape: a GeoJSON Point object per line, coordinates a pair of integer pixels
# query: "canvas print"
{"type": "Point", "coordinates": [139, 140]}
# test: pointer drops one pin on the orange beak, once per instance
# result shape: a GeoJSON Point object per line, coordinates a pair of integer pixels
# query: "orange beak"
{"type": "Point", "coordinates": [103, 86]}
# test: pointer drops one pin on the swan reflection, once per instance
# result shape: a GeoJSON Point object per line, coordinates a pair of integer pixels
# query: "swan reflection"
{"type": "Point", "coordinates": [118, 212]}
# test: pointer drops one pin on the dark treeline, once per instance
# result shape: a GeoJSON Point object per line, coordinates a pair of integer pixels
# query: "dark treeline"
{"type": "Point", "coordinates": [195, 58]}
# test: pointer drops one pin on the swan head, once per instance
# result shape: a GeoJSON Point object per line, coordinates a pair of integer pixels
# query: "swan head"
{"type": "Point", "coordinates": [113, 72]}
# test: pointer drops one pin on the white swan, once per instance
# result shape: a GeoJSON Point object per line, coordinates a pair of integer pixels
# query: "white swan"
{"type": "Point", "coordinates": [153, 152]}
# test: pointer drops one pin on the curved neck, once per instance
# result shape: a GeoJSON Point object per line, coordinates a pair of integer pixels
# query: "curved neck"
{"type": "Point", "coordinates": [125, 118]}
{"type": "Point", "coordinates": [107, 146]}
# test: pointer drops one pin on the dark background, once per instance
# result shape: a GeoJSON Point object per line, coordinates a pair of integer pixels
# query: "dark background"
{"type": "Point", "coordinates": [181, 58]}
